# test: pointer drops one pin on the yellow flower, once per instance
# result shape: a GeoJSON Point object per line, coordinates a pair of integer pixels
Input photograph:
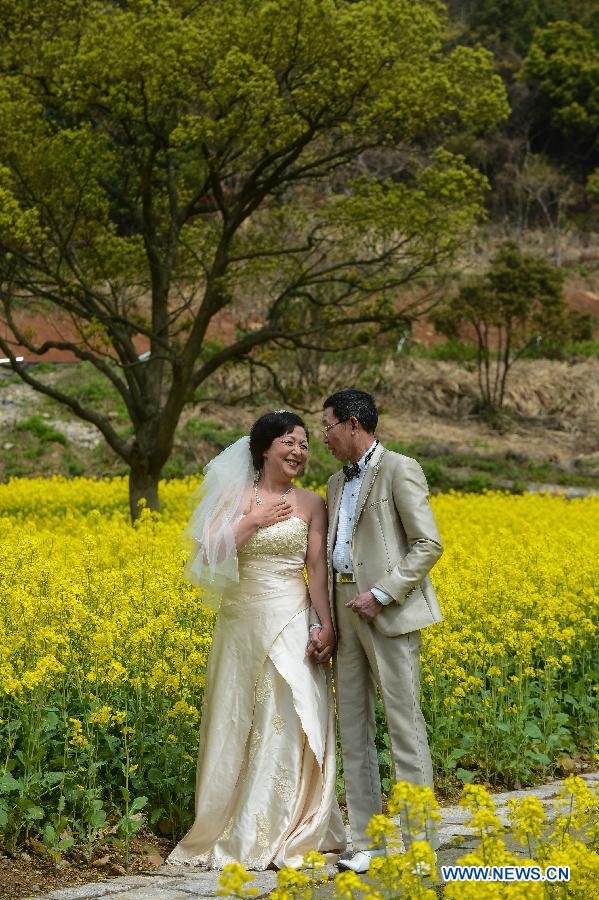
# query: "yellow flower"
{"type": "Point", "coordinates": [233, 882]}
{"type": "Point", "coordinates": [348, 884]}
{"type": "Point", "coordinates": [527, 818]}
{"type": "Point", "coordinates": [292, 885]}
{"type": "Point", "coordinates": [420, 858]}
{"type": "Point", "coordinates": [387, 871]}
{"type": "Point", "coordinates": [183, 710]}
{"type": "Point", "coordinates": [103, 619]}
{"type": "Point", "coordinates": [383, 831]}
{"type": "Point", "coordinates": [315, 863]}
{"type": "Point", "coordinates": [416, 804]}
{"type": "Point", "coordinates": [314, 860]}
{"type": "Point", "coordinates": [101, 716]}
{"type": "Point", "coordinates": [77, 738]}
{"type": "Point", "coordinates": [474, 797]}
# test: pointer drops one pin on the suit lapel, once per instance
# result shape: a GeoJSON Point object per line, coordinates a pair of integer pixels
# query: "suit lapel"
{"type": "Point", "coordinates": [369, 478]}
{"type": "Point", "coordinates": [336, 492]}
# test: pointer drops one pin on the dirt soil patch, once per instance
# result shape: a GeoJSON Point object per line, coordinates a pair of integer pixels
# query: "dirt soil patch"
{"type": "Point", "coordinates": [28, 874]}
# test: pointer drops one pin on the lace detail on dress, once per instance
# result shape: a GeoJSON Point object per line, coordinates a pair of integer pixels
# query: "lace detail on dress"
{"type": "Point", "coordinates": [284, 787]}
{"type": "Point", "coordinates": [278, 723]}
{"type": "Point", "coordinates": [264, 689]}
{"type": "Point", "coordinates": [228, 831]}
{"type": "Point", "coordinates": [255, 738]}
{"type": "Point", "coordinates": [262, 842]}
{"type": "Point", "coordinates": [279, 539]}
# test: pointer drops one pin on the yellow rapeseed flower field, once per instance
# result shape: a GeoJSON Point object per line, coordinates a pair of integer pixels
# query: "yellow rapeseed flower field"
{"type": "Point", "coordinates": [103, 650]}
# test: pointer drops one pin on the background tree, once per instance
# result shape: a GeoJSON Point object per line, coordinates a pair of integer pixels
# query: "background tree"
{"type": "Point", "coordinates": [163, 162]}
{"type": "Point", "coordinates": [515, 304]}
{"type": "Point", "coordinates": [562, 67]}
{"type": "Point", "coordinates": [546, 52]}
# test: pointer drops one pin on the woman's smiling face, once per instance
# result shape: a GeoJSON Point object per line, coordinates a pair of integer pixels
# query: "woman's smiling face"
{"type": "Point", "coordinates": [287, 455]}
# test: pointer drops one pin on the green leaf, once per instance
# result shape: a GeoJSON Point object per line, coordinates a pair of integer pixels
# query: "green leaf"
{"type": "Point", "coordinates": [49, 836]}
{"type": "Point", "coordinates": [8, 784]}
{"type": "Point", "coordinates": [465, 775]}
{"type": "Point", "coordinates": [34, 813]}
{"type": "Point", "coordinates": [138, 804]}
{"type": "Point", "coordinates": [97, 819]}
{"type": "Point", "coordinates": [155, 776]}
{"type": "Point", "coordinates": [53, 777]}
{"type": "Point", "coordinates": [65, 843]}
{"type": "Point", "coordinates": [532, 730]}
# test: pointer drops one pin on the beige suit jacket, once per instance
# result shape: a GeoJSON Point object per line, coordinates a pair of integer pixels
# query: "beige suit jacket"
{"type": "Point", "coordinates": [395, 541]}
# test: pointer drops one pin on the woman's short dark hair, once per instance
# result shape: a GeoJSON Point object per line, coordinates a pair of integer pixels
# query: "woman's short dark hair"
{"type": "Point", "coordinates": [354, 403]}
{"type": "Point", "coordinates": [268, 427]}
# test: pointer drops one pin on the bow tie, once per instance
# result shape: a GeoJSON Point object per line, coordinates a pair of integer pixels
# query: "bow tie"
{"type": "Point", "coordinates": [354, 470]}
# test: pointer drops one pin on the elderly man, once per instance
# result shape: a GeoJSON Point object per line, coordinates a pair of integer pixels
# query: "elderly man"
{"type": "Point", "coordinates": [382, 543]}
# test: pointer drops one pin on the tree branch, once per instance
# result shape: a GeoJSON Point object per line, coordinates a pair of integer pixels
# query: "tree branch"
{"type": "Point", "coordinates": [101, 422]}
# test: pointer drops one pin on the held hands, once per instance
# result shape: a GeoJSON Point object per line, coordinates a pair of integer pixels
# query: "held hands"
{"type": "Point", "coordinates": [365, 605]}
{"type": "Point", "coordinates": [322, 643]}
{"type": "Point", "coordinates": [269, 512]}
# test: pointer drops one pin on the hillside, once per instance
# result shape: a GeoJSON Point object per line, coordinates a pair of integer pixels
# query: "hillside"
{"type": "Point", "coordinates": [426, 405]}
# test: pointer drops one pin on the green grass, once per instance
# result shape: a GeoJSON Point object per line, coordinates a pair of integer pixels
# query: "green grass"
{"type": "Point", "coordinates": [209, 430]}
{"type": "Point", "coordinates": [44, 432]}
{"type": "Point", "coordinates": [83, 382]}
{"type": "Point", "coordinates": [463, 352]}
{"type": "Point", "coordinates": [472, 472]}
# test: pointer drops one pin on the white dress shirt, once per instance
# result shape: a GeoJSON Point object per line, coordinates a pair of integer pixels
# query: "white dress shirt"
{"type": "Point", "coordinates": [342, 555]}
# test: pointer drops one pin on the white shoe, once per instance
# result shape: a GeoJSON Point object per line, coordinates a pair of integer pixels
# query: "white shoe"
{"type": "Point", "coordinates": [423, 869]}
{"type": "Point", "coordinates": [360, 861]}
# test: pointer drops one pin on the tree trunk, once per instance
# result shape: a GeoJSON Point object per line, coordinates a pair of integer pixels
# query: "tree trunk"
{"type": "Point", "coordinates": [143, 485]}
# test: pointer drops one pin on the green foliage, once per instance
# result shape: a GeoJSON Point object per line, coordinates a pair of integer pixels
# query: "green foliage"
{"type": "Point", "coordinates": [553, 106]}
{"type": "Point", "coordinates": [44, 432]}
{"type": "Point", "coordinates": [586, 349]}
{"type": "Point", "coordinates": [165, 161]}
{"type": "Point", "coordinates": [508, 22]}
{"type": "Point", "coordinates": [84, 383]}
{"type": "Point", "coordinates": [511, 24]}
{"type": "Point", "coordinates": [516, 303]}
{"type": "Point", "coordinates": [212, 431]}
{"type": "Point", "coordinates": [451, 349]}
{"type": "Point", "coordinates": [592, 185]}
{"type": "Point", "coordinates": [562, 66]}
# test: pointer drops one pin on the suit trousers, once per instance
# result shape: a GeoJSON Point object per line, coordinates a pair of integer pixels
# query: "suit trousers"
{"type": "Point", "coordinates": [366, 658]}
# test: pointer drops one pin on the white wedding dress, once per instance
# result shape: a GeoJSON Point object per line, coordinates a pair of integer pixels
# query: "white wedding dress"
{"type": "Point", "coordinates": [265, 789]}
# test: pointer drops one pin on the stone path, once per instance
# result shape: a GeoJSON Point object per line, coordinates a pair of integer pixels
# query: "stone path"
{"type": "Point", "coordinates": [181, 883]}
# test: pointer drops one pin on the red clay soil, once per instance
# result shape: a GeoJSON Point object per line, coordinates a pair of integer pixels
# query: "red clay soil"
{"type": "Point", "coordinates": [43, 328]}
{"type": "Point", "coordinates": [60, 329]}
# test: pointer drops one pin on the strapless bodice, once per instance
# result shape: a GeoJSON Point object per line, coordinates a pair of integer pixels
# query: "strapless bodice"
{"type": "Point", "coordinates": [286, 539]}
{"type": "Point", "coordinates": [272, 563]}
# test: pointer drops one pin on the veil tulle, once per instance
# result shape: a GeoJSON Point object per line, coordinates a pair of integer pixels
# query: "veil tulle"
{"type": "Point", "coordinates": [222, 496]}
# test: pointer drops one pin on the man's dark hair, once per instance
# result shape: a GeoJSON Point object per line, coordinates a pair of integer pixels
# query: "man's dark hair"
{"type": "Point", "coordinates": [268, 427]}
{"type": "Point", "coordinates": [354, 403]}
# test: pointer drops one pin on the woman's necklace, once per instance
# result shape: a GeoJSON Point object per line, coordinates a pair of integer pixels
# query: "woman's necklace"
{"type": "Point", "coordinates": [282, 497]}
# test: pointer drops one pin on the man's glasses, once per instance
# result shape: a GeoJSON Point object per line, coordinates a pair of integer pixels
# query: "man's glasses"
{"type": "Point", "coordinates": [326, 428]}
